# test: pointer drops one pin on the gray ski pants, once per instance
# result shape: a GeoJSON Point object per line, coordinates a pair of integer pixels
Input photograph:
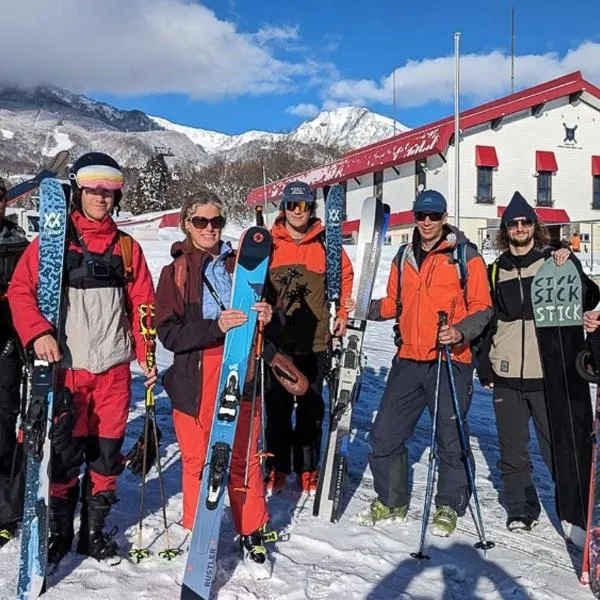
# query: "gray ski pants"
{"type": "Point", "coordinates": [410, 388]}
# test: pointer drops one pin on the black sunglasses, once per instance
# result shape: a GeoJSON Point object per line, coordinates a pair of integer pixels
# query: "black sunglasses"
{"type": "Point", "coordinates": [514, 223]}
{"type": "Point", "coordinates": [202, 222]}
{"type": "Point", "coordinates": [433, 216]}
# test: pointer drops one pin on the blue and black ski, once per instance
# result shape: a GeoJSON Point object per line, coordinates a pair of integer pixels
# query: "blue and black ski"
{"type": "Point", "coordinates": [40, 404]}
{"type": "Point", "coordinates": [345, 380]}
{"type": "Point", "coordinates": [248, 284]}
{"type": "Point", "coordinates": [335, 205]}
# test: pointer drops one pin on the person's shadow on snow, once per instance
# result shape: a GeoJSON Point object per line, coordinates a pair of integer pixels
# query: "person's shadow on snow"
{"type": "Point", "coordinates": [464, 572]}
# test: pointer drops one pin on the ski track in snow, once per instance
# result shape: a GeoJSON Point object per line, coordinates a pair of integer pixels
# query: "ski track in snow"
{"type": "Point", "coordinates": [321, 561]}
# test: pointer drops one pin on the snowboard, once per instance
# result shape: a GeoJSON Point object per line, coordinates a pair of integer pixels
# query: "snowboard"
{"type": "Point", "coordinates": [34, 537]}
{"type": "Point", "coordinates": [345, 386]}
{"type": "Point", "coordinates": [247, 288]}
{"type": "Point", "coordinates": [557, 300]}
{"type": "Point", "coordinates": [334, 215]}
{"type": "Point", "coordinates": [590, 571]}
{"type": "Point", "coordinates": [57, 164]}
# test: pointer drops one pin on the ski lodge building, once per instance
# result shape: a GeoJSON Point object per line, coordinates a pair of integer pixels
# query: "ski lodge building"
{"type": "Point", "coordinates": [543, 141]}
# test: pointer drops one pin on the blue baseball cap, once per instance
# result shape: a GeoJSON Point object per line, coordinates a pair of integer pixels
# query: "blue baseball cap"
{"type": "Point", "coordinates": [298, 191]}
{"type": "Point", "coordinates": [430, 201]}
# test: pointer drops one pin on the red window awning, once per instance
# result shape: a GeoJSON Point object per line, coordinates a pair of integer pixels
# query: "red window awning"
{"type": "Point", "coordinates": [595, 165]}
{"type": "Point", "coordinates": [485, 156]}
{"type": "Point", "coordinates": [546, 215]}
{"type": "Point", "coordinates": [545, 161]}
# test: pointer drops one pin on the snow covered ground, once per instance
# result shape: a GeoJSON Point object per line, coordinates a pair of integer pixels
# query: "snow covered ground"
{"type": "Point", "coordinates": [323, 561]}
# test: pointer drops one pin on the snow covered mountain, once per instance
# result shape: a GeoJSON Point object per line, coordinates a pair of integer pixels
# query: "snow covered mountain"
{"type": "Point", "coordinates": [38, 122]}
{"type": "Point", "coordinates": [347, 127]}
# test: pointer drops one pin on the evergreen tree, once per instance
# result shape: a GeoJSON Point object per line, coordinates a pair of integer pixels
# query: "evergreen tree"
{"type": "Point", "coordinates": [151, 192]}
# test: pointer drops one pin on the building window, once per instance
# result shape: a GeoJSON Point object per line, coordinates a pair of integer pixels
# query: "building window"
{"type": "Point", "coordinates": [544, 188]}
{"type": "Point", "coordinates": [378, 184]}
{"type": "Point", "coordinates": [484, 185]}
{"type": "Point", "coordinates": [596, 199]}
{"type": "Point", "coordinates": [420, 177]}
{"type": "Point", "coordinates": [404, 238]}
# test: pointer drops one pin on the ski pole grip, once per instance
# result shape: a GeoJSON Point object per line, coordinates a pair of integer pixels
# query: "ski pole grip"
{"type": "Point", "coordinates": [443, 318]}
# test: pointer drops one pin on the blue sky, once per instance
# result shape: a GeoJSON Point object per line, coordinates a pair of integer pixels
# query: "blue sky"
{"type": "Point", "coordinates": [235, 65]}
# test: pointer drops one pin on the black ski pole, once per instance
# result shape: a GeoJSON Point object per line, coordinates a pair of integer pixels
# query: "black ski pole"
{"type": "Point", "coordinates": [482, 544]}
{"type": "Point", "coordinates": [443, 319]}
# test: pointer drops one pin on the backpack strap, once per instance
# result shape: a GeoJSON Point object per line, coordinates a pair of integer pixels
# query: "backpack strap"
{"type": "Point", "coordinates": [460, 258]}
{"type": "Point", "coordinates": [126, 246]}
{"type": "Point", "coordinates": [494, 275]}
{"type": "Point", "coordinates": [402, 255]}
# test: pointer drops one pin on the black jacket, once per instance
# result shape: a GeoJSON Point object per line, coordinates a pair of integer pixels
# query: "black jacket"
{"type": "Point", "coordinates": [508, 354]}
{"type": "Point", "coordinates": [12, 245]}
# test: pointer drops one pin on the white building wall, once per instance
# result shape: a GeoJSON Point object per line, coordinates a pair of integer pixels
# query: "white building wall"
{"type": "Point", "coordinates": [516, 142]}
{"type": "Point", "coordinates": [356, 192]}
{"type": "Point", "coordinates": [399, 188]}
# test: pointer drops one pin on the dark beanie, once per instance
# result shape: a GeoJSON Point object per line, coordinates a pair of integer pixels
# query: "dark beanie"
{"type": "Point", "coordinates": [517, 207]}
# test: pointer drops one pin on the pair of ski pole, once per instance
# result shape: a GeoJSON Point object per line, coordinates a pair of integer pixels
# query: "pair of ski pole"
{"type": "Point", "coordinates": [444, 351]}
{"type": "Point", "coordinates": [148, 332]}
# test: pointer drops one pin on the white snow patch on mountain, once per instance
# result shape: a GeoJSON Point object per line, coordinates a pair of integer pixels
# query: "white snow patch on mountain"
{"type": "Point", "coordinates": [56, 142]}
{"type": "Point", "coordinates": [6, 134]}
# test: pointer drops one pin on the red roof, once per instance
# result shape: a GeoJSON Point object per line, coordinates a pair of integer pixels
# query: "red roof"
{"type": "Point", "coordinates": [426, 140]}
{"type": "Point", "coordinates": [545, 161]}
{"type": "Point", "coordinates": [546, 215]}
{"type": "Point", "coordinates": [396, 220]}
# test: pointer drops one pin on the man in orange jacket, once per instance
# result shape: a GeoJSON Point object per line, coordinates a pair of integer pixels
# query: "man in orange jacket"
{"type": "Point", "coordinates": [297, 275]}
{"type": "Point", "coordinates": [424, 280]}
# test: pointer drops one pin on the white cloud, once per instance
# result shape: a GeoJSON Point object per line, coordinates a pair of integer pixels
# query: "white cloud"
{"type": "Point", "coordinates": [138, 47]}
{"type": "Point", "coordinates": [273, 33]}
{"type": "Point", "coordinates": [482, 76]}
{"type": "Point", "coordinates": [303, 110]}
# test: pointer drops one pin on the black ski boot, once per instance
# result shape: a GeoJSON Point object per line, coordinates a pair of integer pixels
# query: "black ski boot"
{"type": "Point", "coordinates": [93, 541]}
{"type": "Point", "coordinates": [60, 525]}
{"type": "Point", "coordinates": [253, 546]}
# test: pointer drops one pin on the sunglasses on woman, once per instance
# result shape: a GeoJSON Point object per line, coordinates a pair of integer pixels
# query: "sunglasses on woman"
{"type": "Point", "coordinates": [433, 216]}
{"type": "Point", "coordinates": [514, 223]}
{"type": "Point", "coordinates": [202, 222]}
{"type": "Point", "coordinates": [292, 205]}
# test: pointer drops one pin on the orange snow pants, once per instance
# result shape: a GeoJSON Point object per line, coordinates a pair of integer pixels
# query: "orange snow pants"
{"type": "Point", "coordinates": [249, 508]}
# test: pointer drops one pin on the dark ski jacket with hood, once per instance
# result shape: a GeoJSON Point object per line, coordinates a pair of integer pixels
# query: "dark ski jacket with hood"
{"type": "Point", "coordinates": [509, 355]}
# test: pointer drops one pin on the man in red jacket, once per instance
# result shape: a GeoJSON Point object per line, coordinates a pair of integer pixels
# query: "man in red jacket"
{"type": "Point", "coordinates": [105, 281]}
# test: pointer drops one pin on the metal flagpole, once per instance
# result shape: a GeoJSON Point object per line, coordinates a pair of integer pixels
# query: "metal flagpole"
{"type": "Point", "coordinates": [457, 130]}
{"type": "Point", "coordinates": [512, 52]}
{"type": "Point", "coordinates": [394, 93]}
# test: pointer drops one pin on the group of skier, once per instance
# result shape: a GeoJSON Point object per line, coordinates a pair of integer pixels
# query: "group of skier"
{"type": "Point", "coordinates": [107, 279]}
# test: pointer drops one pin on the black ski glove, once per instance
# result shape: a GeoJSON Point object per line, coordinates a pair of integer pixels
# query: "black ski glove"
{"type": "Point", "coordinates": [61, 432]}
{"type": "Point", "coordinates": [135, 457]}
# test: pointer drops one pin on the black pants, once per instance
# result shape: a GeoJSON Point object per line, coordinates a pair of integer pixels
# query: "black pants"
{"type": "Point", "coordinates": [513, 410]}
{"type": "Point", "coordinates": [304, 439]}
{"type": "Point", "coordinates": [409, 389]}
{"type": "Point", "coordinates": [11, 484]}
